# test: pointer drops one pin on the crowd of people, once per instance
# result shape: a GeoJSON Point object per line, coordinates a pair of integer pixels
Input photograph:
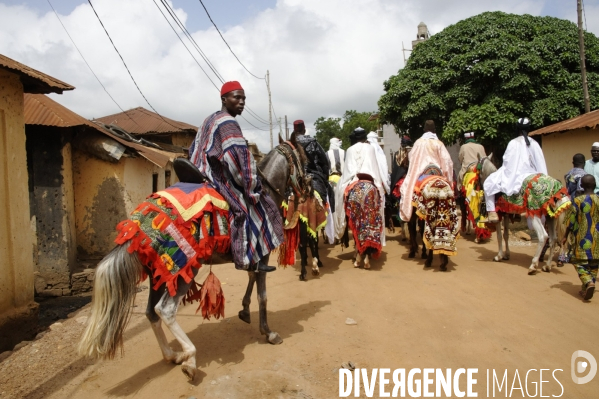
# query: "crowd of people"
{"type": "Point", "coordinates": [354, 184]}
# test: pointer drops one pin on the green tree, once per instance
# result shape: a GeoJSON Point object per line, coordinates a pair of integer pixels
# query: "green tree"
{"type": "Point", "coordinates": [484, 72]}
{"type": "Point", "coordinates": [328, 128]}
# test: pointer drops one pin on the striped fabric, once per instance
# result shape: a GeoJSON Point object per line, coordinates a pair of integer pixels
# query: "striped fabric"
{"type": "Point", "coordinates": [221, 153]}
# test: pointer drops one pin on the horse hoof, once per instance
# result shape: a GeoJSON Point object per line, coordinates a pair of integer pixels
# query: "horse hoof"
{"type": "Point", "coordinates": [274, 338]}
{"type": "Point", "coordinates": [189, 371]}
{"type": "Point", "coordinates": [497, 259]}
{"type": "Point", "coordinates": [428, 264]}
{"type": "Point", "coordinates": [244, 315]}
{"type": "Point", "coordinates": [443, 268]}
{"type": "Point", "coordinates": [476, 240]}
{"type": "Point", "coordinates": [411, 255]}
{"type": "Point", "coordinates": [302, 277]}
{"type": "Point", "coordinates": [315, 272]}
{"type": "Point", "coordinates": [532, 272]}
{"type": "Point", "coordinates": [424, 255]}
{"type": "Point", "coordinates": [506, 257]}
{"type": "Point", "coordinates": [546, 269]}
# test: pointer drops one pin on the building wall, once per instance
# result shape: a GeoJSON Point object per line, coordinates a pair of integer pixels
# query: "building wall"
{"type": "Point", "coordinates": [105, 194]}
{"type": "Point", "coordinates": [183, 139]}
{"type": "Point", "coordinates": [559, 148]}
{"type": "Point", "coordinates": [18, 310]}
{"type": "Point", "coordinates": [52, 208]}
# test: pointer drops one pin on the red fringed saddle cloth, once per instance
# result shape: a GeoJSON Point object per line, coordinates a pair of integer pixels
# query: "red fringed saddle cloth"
{"type": "Point", "coordinates": [176, 230]}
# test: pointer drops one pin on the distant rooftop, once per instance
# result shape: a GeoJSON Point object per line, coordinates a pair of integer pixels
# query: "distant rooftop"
{"type": "Point", "coordinates": [33, 80]}
{"type": "Point", "coordinates": [141, 121]}
{"type": "Point", "coordinates": [589, 121]}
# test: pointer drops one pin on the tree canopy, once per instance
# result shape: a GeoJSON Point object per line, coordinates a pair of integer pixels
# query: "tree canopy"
{"type": "Point", "coordinates": [328, 128]}
{"type": "Point", "coordinates": [485, 72]}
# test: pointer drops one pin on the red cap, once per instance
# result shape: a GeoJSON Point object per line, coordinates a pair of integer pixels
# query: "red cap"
{"type": "Point", "coordinates": [298, 122]}
{"type": "Point", "coordinates": [230, 86]}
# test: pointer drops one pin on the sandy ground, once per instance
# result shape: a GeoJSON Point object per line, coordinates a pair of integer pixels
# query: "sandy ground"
{"type": "Point", "coordinates": [478, 314]}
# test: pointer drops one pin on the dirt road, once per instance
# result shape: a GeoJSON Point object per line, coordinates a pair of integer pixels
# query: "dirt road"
{"type": "Point", "coordinates": [478, 314]}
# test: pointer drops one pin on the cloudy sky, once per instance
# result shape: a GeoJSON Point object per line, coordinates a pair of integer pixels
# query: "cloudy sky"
{"type": "Point", "coordinates": [324, 56]}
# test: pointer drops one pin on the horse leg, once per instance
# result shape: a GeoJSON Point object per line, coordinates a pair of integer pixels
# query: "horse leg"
{"type": "Point", "coordinates": [303, 249]}
{"type": "Point", "coordinates": [244, 314]}
{"type": "Point", "coordinates": [423, 253]}
{"type": "Point", "coordinates": [503, 234]}
{"type": "Point", "coordinates": [429, 259]}
{"type": "Point", "coordinates": [271, 336]}
{"type": "Point", "coordinates": [313, 242]}
{"type": "Point", "coordinates": [537, 225]}
{"type": "Point", "coordinates": [552, 232]}
{"type": "Point", "coordinates": [444, 262]}
{"type": "Point", "coordinates": [156, 322]}
{"type": "Point", "coordinates": [167, 308]}
{"type": "Point", "coordinates": [413, 236]}
{"type": "Point", "coordinates": [506, 238]}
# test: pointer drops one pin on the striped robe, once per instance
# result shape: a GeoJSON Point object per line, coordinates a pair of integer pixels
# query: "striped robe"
{"type": "Point", "coordinates": [221, 153]}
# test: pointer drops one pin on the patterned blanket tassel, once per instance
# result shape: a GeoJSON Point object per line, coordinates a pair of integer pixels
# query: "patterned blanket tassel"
{"type": "Point", "coordinates": [212, 298]}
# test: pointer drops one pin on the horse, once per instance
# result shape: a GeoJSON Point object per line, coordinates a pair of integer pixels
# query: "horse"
{"type": "Point", "coordinates": [427, 210]}
{"type": "Point", "coordinates": [559, 202]}
{"type": "Point", "coordinates": [118, 274]}
{"type": "Point", "coordinates": [399, 169]}
{"type": "Point", "coordinates": [297, 197]}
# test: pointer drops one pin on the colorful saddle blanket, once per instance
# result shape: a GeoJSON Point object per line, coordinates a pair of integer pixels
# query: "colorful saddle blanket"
{"type": "Point", "coordinates": [474, 198]}
{"type": "Point", "coordinates": [176, 230]}
{"type": "Point", "coordinates": [540, 194]}
{"type": "Point", "coordinates": [434, 200]}
{"type": "Point", "coordinates": [362, 208]}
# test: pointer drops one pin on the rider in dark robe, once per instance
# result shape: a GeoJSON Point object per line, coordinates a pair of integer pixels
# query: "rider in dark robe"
{"type": "Point", "coordinates": [318, 165]}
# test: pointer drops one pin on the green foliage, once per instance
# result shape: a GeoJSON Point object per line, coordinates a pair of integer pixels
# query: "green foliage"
{"type": "Point", "coordinates": [485, 72]}
{"type": "Point", "coordinates": [328, 128]}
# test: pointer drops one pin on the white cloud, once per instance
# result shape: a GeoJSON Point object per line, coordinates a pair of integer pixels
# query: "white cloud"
{"type": "Point", "coordinates": [324, 57]}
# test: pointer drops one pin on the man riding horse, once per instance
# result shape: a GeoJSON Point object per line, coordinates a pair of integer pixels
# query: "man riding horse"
{"type": "Point", "coordinates": [222, 155]}
{"type": "Point", "coordinates": [427, 150]}
{"type": "Point", "coordinates": [523, 157]}
{"type": "Point", "coordinates": [360, 194]}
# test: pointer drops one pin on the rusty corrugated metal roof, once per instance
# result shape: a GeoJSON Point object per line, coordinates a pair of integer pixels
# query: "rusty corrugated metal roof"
{"type": "Point", "coordinates": [33, 80]}
{"type": "Point", "coordinates": [589, 120]}
{"type": "Point", "coordinates": [42, 110]}
{"type": "Point", "coordinates": [141, 121]}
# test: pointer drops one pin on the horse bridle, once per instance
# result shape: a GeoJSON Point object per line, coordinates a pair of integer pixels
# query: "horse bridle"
{"type": "Point", "coordinates": [297, 183]}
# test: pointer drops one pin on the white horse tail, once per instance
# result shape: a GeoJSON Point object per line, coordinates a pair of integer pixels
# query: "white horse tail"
{"type": "Point", "coordinates": [115, 285]}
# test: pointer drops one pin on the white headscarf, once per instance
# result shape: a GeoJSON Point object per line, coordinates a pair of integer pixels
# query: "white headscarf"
{"type": "Point", "coordinates": [335, 144]}
{"type": "Point", "coordinates": [380, 158]}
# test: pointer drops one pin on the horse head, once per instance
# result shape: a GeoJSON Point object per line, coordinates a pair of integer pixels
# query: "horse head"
{"type": "Point", "coordinates": [486, 167]}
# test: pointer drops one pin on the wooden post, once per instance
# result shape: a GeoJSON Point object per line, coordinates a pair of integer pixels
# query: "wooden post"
{"type": "Point", "coordinates": [269, 108]}
{"type": "Point", "coordinates": [583, 69]}
{"type": "Point", "coordinates": [286, 129]}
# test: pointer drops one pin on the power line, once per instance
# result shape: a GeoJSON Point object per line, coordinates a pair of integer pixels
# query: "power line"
{"type": "Point", "coordinates": [127, 68]}
{"type": "Point", "coordinates": [86, 63]}
{"type": "Point", "coordinates": [187, 48]}
{"type": "Point", "coordinates": [221, 36]}
{"type": "Point", "coordinates": [190, 38]}
{"type": "Point", "coordinates": [202, 54]}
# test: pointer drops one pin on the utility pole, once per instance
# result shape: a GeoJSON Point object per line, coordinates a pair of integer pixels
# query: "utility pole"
{"type": "Point", "coordinates": [286, 129]}
{"type": "Point", "coordinates": [269, 108]}
{"type": "Point", "coordinates": [583, 69]}
{"type": "Point", "coordinates": [280, 128]}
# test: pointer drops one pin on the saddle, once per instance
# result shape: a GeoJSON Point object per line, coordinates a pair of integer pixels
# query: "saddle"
{"type": "Point", "coordinates": [187, 172]}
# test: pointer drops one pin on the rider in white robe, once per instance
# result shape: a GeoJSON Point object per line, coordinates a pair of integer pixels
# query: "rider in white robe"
{"type": "Point", "coordinates": [359, 158]}
{"type": "Point", "coordinates": [427, 150]}
{"type": "Point", "coordinates": [523, 157]}
{"type": "Point", "coordinates": [373, 139]}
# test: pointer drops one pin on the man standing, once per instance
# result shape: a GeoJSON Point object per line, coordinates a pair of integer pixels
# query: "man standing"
{"type": "Point", "coordinates": [381, 159]}
{"type": "Point", "coordinates": [427, 150]}
{"type": "Point", "coordinates": [222, 155]}
{"type": "Point", "coordinates": [523, 157]}
{"type": "Point", "coordinates": [470, 152]}
{"type": "Point", "coordinates": [572, 178]}
{"type": "Point", "coordinates": [592, 165]}
{"type": "Point", "coordinates": [584, 220]}
{"type": "Point", "coordinates": [336, 157]}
